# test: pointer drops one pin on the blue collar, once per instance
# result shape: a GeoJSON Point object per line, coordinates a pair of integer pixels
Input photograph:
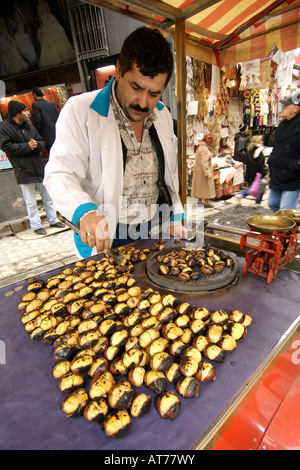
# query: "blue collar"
{"type": "Point", "coordinates": [102, 101]}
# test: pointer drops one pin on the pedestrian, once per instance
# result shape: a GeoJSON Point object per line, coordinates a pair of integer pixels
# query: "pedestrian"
{"type": "Point", "coordinates": [284, 161]}
{"type": "Point", "coordinates": [240, 144]}
{"type": "Point", "coordinates": [23, 146]}
{"type": "Point", "coordinates": [44, 116]}
{"type": "Point", "coordinates": [203, 186]}
{"type": "Point", "coordinates": [114, 160]}
{"type": "Point", "coordinates": [255, 163]}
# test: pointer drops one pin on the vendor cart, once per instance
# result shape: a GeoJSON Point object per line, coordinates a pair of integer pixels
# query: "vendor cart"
{"type": "Point", "coordinates": [32, 416]}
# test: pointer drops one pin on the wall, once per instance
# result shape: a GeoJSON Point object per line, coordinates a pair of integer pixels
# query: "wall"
{"type": "Point", "coordinates": [12, 204]}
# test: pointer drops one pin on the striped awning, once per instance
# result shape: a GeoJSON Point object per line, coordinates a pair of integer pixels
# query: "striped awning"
{"type": "Point", "coordinates": [227, 31]}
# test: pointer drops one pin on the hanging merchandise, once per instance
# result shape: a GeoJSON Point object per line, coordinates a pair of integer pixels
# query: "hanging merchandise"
{"type": "Point", "coordinates": [200, 91]}
{"type": "Point", "coordinates": [215, 88]}
{"type": "Point", "coordinates": [250, 71]}
{"type": "Point", "coordinates": [285, 64]}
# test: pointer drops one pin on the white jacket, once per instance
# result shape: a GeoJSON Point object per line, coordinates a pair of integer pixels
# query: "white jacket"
{"type": "Point", "coordinates": [85, 167]}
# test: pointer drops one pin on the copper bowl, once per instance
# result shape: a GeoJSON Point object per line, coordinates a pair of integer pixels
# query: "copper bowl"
{"type": "Point", "coordinates": [293, 214]}
{"type": "Point", "coordinates": [270, 223]}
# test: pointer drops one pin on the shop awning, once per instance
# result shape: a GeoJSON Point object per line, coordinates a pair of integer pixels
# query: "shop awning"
{"type": "Point", "coordinates": [222, 31]}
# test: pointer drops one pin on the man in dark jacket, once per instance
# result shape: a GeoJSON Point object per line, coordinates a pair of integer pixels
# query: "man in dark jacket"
{"type": "Point", "coordinates": [240, 144]}
{"type": "Point", "coordinates": [23, 146]}
{"type": "Point", "coordinates": [44, 115]}
{"type": "Point", "coordinates": [284, 161]}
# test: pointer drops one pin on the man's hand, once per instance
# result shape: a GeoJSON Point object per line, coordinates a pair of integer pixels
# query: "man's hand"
{"type": "Point", "coordinates": [178, 230]}
{"type": "Point", "coordinates": [94, 231]}
{"type": "Point", "coordinates": [32, 144]}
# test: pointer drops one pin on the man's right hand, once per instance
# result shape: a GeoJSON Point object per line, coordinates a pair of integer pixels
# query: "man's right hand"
{"type": "Point", "coordinates": [32, 144]}
{"type": "Point", "coordinates": [94, 231]}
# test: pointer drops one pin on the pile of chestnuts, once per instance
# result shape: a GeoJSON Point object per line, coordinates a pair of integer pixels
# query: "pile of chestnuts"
{"type": "Point", "coordinates": [116, 345]}
{"type": "Point", "coordinates": [191, 264]}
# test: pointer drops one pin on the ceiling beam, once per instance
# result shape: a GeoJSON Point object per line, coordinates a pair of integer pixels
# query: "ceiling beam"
{"type": "Point", "coordinates": [157, 7]}
{"type": "Point", "coordinates": [205, 32]}
{"type": "Point", "coordinates": [196, 7]}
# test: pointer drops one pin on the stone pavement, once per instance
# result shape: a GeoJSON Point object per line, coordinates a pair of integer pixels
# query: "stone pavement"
{"type": "Point", "coordinates": [25, 254]}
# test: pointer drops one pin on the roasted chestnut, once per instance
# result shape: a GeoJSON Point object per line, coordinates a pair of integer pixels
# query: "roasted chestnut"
{"type": "Point", "coordinates": [197, 326]}
{"type": "Point", "coordinates": [140, 405]}
{"type": "Point", "coordinates": [176, 347]}
{"type": "Point", "coordinates": [220, 317]}
{"type": "Point", "coordinates": [132, 358]}
{"type": "Point", "coordinates": [117, 424]}
{"type": "Point", "coordinates": [214, 333]}
{"type": "Point", "coordinates": [61, 369]}
{"type": "Point", "coordinates": [193, 353]}
{"type": "Point", "coordinates": [161, 361]}
{"type": "Point", "coordinates": [101, 384]}
{"type": "Point", "coordinates": [169, 300]}
{"type": "Point", "coordinates": [213, 352]}
{"type": "Point", "coordinates": [99, 364]}
{"type": "Point", "coordinates": [148, 336]}
{"type": "Point", "coordinates": [201, 313]}
{"type": "Point", "coordinates": [69, 382]}
{"type": "Point", "coordinates": [81, 365]}
{"type": "Point", "coordinates": [75, 403]}
{"type": "Point", "coordinates": [112, 352]}
{"type": "Point", "coordinates": [206, 372]}
{"type": "Point", "coordinates": [117, 367]}
{"type": "Point", "coordinates": [155, 381]}
{"type": "Point", "coordinates": [119, 338]}
{"type": "Point", "coordinates": [50, 336]}
{"type": "Point", "coordinates": [164, 269]}
{"type": "Point", "coordinates": [206, 269]}
{"type": "Point", "coordinates": [120, 395]}
{"type": "Point", "coordinates": [89, 339]}
{"type": "Point", "coordinates": [158, 345]}
{"type": "Point", "coordinates": [228, 343]}
{"type": "Point", "coordinates": [237, 330]}
{"type": "Point", "coordinates": [188, 366]}
{"type": "Point", "coordinates": [96, 410]}
{"type": "Point", "coordinates": [200, 342]}
{"type": "Point", "coordinates": [168, 405]}
{"type": "Point", "coordinates": [171, 331]}
{"type": "Point", "coordinates": [173, 374]}
{"type": "Point", "coordinates": [187, 335]}
{"type": "Point", "coordinates": [184, 308]}
{"type": "Point", "coordinates": [63, 352]}
{"type": "Point", "coordinates": [136, 376]}
{"type": "Point", "coordinates": [188, 387]}
{"type": "Point", "coordinates": [87, 325]}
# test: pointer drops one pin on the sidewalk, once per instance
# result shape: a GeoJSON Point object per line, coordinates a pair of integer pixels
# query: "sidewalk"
{"type": "Point", "coordinates": [25, 254]}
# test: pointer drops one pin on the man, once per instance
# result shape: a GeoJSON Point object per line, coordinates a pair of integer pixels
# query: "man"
{"type": "Point", "coordinates": [115, 154]}
{"type": "Point", "coordinates": [44, 115]}
{"type": "Point", "coordinates": [240, 147]}
{"type": "Point", "coordinates": [284, 161]}
{"type": "Point", "coordinates": [23, 146]}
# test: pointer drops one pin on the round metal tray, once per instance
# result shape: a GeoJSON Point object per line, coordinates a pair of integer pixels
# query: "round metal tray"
{"type": "Point", "coordinates": [206, 282]}
{"type": "Point", "coordinates": [270, 223]}
{"type": "Point", "coordinates": [293, 214]}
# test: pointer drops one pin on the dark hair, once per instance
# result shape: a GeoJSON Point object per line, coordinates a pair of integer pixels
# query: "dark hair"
{"type": "Point", "coordinates": [37, 92]}
{"type": "Point", "coordinates": [149, 50]}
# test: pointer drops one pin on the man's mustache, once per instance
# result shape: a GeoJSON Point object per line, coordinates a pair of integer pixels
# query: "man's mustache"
{"type": "Point", "coordinates": [136, 107]}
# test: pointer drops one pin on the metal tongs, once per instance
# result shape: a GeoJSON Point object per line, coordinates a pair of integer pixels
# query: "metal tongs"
{"type": "Point", "coordinates": [118, 258]}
